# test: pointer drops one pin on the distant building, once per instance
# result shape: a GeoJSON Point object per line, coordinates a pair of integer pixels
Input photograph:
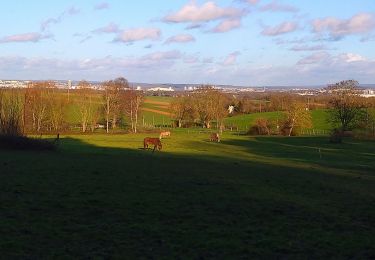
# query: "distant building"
{"type": "Point", "coordinates": [230, 109]}
{"type": "Point", "coordinates": [170, 89]}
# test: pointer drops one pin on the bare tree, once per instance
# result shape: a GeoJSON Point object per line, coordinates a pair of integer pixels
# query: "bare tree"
{"type": "Point", "coordinates": [219, 108]}
{"type": "Point", "coordinates": [56, 105]}
{"type": "Point", "coordinates": [132, 101]}
{"type": "Point", "coordinates": [36, 103]}
{"type": "Point", "coordinates": [85, 104]}
{"type": "Point", "coordinates": [182, 109]}
{"type": "Point", "coordinates": [112, 100]}
{"type": "Point", "coordinates": [209, 104]}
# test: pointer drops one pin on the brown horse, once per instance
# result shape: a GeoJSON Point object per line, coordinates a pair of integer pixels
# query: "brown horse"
{"type": "Point", "coordinates": [215, 137]}
{"type": "Point", "coordinates": [164, 134]}
{"type": "Point", "coordinates": [150, 140]}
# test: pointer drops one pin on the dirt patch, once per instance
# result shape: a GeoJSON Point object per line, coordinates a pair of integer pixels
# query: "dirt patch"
{"type": "Point", "coordinates": [156, 102]}
{"type": "Point", "coordinates": [156, 111]}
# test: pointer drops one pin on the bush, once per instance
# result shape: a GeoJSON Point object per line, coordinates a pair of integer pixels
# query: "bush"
{"type": "Point", "coordinates": [24, 143]}
{"type": "Point", "coordinates": [262, 127]}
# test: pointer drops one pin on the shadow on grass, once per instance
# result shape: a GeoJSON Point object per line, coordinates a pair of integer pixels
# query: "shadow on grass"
{"type": "Point", "coordinates": [85, 201]}
{"type": "Point", "coordinates": [351, 155]}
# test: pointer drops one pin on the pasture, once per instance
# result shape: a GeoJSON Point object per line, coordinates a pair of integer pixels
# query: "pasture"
{"type": "Point", "coordinates": [319, 119]}
{"type": "Point", "coordinates": [103, 196]}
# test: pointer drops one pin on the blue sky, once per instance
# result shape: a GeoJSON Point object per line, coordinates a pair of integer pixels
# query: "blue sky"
{"type": "Point", "coordinates": [239, 42]}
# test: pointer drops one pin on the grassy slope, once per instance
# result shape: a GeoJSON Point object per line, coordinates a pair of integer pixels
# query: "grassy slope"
{"type": "Point", "coordinates": [319, 118]}
{"type": "Point", "coordinates": [157, 118]}
{"type": "Point", "coordinates": [73, 117]}
{"type": "Point", "coordinates": [102, 196]}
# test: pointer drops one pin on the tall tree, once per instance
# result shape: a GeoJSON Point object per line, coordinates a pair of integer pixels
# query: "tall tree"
{"type": "Point", "coordinates": [84, 103]}
{"type": "Point", "coordinates": [112, 100]}
{"type": "Point", "coordinates": [56, 107]}
{"type": "Point", "coordinates": [346, 107]}
{"type": "Point", "coordinates": [209, 104]}
{"type": "Point", "coordinates": [36, 103]}
{"type": "Point", "coordinates": [132, 101]}
{"type": "Point", "coordinates": [182, 109]}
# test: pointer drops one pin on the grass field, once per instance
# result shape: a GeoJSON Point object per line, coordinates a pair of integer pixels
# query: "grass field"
{"type": "Point", "coordinates": [155, 111]}
{"type": "Point", "coordinates": [248, 197]}
{"type": "Point", "coordinates": [319, 119]}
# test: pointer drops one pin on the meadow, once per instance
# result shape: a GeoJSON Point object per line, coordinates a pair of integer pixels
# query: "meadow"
{"type": "Point", "coordinates": [103, 196]}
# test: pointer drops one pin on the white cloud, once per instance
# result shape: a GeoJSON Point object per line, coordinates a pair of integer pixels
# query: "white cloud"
{"type": "Point", "coordinates": [275, 6]}
{"type": "Point", "coordinates": [253, 2]}
{"type": "Point", "coordinates": [209, 11]}
{"type": "Point", "coordinates": [227, 25]}
{"type": "Point", "coordinates": [110, 28]}
{"type": "Point", "coordinates": [181, 38]}
{"type": "Point", "coordinates": [231, 59]}
{"type": "Point", "coordinates": [304, 47]}
{"type": "Point", "coordinates": [138, 34]}
{"type": "Point", "coordinates": [314, 58]}
{"type": "Point", "coordinates": [351, 57]}
{"type": "Point", "coordinates": [55, 20]}
{"type": "Point", "coordinates": [336, 28]}
{"type": "Point", "coordinates": [330, 60]}
{"type": "Point", "coordinates": [283, 28]}
{"type": "Point", "coordinates": [25, 37]}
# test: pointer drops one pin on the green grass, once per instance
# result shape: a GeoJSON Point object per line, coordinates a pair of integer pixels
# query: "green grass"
{"type": "Point", "coordinates": [102, 196]}
{"type": "Point", "coordinates": [245, 121]}
{"type": "Point", "coordinates": [159, 99]}
{"type": "Point", "coordinates": [154, 118]}
{"type": "Point", "coordinates": [319, 119]}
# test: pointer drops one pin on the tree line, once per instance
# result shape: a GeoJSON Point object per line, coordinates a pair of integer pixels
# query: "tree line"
{"type": "Point", "coordinates": [346, 109]}
{"type": "Point", "coordinates": [43, 107]}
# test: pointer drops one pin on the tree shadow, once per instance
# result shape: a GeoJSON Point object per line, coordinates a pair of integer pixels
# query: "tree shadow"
{"type": "Point", "coordinates": [86, 201]}
{"type": "Point", "coordinates": [351, 155]}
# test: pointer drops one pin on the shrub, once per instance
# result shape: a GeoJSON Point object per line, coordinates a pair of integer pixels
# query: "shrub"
{"type": "Point", "coordinates": [262, 127]}
{"type": "Point", "coordinates": [25, 143]}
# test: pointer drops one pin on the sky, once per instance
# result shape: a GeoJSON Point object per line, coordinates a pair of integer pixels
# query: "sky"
{"type": "Point", "coordinates": [235, 42]}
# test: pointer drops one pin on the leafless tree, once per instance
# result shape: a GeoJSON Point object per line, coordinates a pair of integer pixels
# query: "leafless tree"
{"type": "Point", "coordinates": [182, 109]}
{"type": "Point", "coordinates": [112, 100]}
{"type": "Point", "coordinates": [85, 104]}
{"type": "Point", "coordinates": [56, 107]}
{"type": "Point", "coordinates": [209, 104]}
{"type": "Point", "coordinates": [132, 101]}
{"type": "Point", "coordinates": [36, 104]}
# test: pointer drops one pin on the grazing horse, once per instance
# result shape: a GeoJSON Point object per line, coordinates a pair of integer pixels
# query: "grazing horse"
{"type": "Point", "coordinates": [164, 134]}
{"type": "Point", "coordinates": [150, 140]}
{"type": "Point", "coordinates": [215, 137]}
